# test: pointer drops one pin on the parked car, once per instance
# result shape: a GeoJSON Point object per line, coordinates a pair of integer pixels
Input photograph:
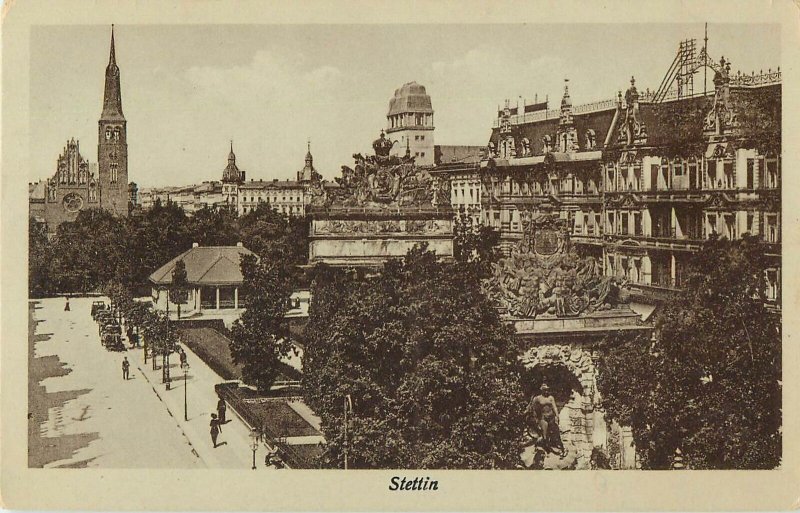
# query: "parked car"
{"type": "Point", "coordinates": [98, 306]}
{"type": "Point", "coordinates": [113, 342]}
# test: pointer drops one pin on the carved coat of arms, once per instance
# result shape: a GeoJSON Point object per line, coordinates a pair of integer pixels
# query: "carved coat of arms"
{"type": "Point", "coordinates": [545, 276]}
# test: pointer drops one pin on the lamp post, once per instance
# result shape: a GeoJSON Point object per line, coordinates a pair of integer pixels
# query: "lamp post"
{"type": "Point", "coordinates": [185, 385]}
{"type": "Point", "coordinates": [348, 404]}
{"type": "Point", "coordinates": [254, 445]}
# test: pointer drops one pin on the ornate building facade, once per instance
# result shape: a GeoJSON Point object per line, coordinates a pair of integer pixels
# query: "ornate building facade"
{"type": "Point", "coordinates": [642, 181]}
{"type": "Point", "coordinates": [77, 184]}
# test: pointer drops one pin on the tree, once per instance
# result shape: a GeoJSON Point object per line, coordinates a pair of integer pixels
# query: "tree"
{"type": "Point", "coordinates": [274, 236]}
{"type": "Point", "coordinates": [178, 290]}
{"type": "Point", "coordinates": [260, 337]}
{"type": "Point", "coordinates": [474, 243]}
{"type": "Point", "coordinates": [152, 239]}
{"type": "Point", "coordinates": [40, 256]}
{"type": "Point", "coordinates": [213, 227]}
{"type": "Point", "coordinates": [710, 384]}
{"type": "Point", "coordinates": [432, 372]}
{"type": "Point", "coordinates": [86, 251]}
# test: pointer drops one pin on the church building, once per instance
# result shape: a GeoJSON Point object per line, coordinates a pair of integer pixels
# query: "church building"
{"type": "Point", "coordinates": [78, 184]}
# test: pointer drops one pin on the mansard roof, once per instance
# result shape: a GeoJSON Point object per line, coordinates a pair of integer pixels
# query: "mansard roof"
{"type": "Point", "coordinates": [446, 154]}
{"type": "Point", "coordinates": [680, 122]}
{"type": "Point", "coordinates": [535, 131]}
{"type": "Point", "coordinates": [672, 123]}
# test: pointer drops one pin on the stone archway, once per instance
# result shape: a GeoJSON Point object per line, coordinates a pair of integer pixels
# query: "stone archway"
{"type": "Point", "coordinates": [582, 421]}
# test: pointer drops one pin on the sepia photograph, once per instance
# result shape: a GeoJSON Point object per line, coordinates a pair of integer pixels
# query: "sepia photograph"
{"type": "Point", "coordinates": [409, 247]}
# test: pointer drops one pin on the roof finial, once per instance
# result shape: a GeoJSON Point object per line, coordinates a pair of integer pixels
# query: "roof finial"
{"type": "Point", "coordinates": [112, 57]}
{"type": "Point", "coordinates": [308, 143]}
{"type": "Point", "coordinates": [231, 145]}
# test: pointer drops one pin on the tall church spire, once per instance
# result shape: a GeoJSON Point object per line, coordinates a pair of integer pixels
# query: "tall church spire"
{"type": "Point", "coordinates": [112, 100]}
{"type": "Point", "coordinates": [112, 60]}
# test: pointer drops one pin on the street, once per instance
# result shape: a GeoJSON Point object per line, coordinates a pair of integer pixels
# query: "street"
{"type": "Point", "coordinates": [87, 415]}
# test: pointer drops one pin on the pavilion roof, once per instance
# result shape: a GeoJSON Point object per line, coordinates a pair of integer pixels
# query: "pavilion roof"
{"type": "Point", "coordinates": [206, 265]}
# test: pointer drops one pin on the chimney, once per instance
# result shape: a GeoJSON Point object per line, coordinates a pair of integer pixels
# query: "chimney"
{"type": "Point", "coordinates": [195, 245]}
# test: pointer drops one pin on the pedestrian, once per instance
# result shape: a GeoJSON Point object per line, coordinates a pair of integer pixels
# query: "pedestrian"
{"type": "Point", "coordinates": [126, 366]}
{"type": "Point", "coordinates": [221, 409]}
{"type": "Point", "coordinates": [182, 355]}
{"type": "Point", "coordinates": [215, 429]}
{"type": "Point", "coordinates": [66, 306]}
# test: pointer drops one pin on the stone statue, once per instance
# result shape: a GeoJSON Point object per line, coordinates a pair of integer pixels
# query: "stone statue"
{"type": "Point", "coordinates": [544, 416]}
{"type": "Point", "coordinates": [384, 181]}
{"type": "Point", "coordinates": [544, 276]}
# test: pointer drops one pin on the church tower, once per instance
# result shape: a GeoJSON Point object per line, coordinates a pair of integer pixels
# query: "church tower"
{"type": "Point", "coordinates": [112, 147]}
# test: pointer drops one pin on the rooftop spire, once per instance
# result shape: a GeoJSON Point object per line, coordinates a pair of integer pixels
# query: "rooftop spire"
{"type": "Point", "coordinates": [566, 100]}
{"type": "Point", "coordinates": [231, 172]}
{"type": "Point", "coordinates": [112, 60]}
{"type": "Point", "coordinates": [112, 100]}
{"type": "Point", "coordinates": [309, 158]}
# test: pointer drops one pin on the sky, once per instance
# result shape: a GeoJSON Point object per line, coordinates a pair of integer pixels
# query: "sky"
{"type": "Point", "coordinates": [188, 90]}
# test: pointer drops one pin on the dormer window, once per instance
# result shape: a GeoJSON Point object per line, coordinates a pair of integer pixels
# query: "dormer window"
{"type": "Point", "coordinates": [591, 139]}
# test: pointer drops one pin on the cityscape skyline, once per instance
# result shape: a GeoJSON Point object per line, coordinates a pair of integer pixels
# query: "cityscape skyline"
{"type": "Point", "coordinates": [184, 106]}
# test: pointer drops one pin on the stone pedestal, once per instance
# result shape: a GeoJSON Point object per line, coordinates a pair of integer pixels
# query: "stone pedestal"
{"type": "Point", "coordinates": [369, 237]}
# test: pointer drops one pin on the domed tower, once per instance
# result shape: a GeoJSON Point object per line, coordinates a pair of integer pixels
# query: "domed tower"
{"type": "Point", "coordinates": [232, 174]}
{"type": "Point", "coordinates": [308, 172]}
{"type": "Point", "coordinates": [232, 177]}
{"type": "Point", "coordinates": [410, 123]}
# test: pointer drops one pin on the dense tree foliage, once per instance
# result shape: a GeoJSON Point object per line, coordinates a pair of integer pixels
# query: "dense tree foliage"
{"type": "Point", "coordinates": [40, 257]}
{"type": "Point", "coordinates": [179, 291]}
{"type": "Point", "coordinates": [431, 371]}
{"type": "Point", "coordinates": [275, 236]}
{"type": "Point", "coordinates": [710, 382]}
{"type": "Point", "coordinates": [474, 242]}
{"type": "Point", "coordinates": [260, 338]}
{"type": "Point", "coordinates": [97, 247]}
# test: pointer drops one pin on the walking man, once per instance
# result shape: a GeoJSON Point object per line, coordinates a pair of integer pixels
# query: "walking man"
{"type": "Point", "coordinates": [215, 429]}
{"type": "Point", "coordinates": [66, 307]}
{"type": "Point", "coordinates": [126, 366]}
{"type": "Point", "coordinates": [221, 409]}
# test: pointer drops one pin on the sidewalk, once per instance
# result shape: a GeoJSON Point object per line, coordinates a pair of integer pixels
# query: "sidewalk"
{"type": "Point", "coordinates": [235, 451]}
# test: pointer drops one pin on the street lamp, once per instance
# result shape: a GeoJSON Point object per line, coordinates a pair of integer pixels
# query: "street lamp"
{"type": "Point", "coordinates": [348, 404]}
{"type": "Point", "coordinates": [185, 385]}
{"type": "Point", "coordinates": [254, 445]}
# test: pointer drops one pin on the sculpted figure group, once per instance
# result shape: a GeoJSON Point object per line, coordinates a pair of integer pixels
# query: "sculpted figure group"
{"type": "Point", "coordinates": [384, 181]}
{"type": "Point", "coordinates": [562, 284]}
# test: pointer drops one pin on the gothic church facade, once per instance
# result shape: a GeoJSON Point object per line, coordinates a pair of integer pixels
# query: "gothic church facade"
{"type": "Point", "coordinates": [79, 185]}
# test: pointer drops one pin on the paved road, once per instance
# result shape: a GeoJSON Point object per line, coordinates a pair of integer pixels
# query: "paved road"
{"type": "Point", "coordinates": [124, 422]}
